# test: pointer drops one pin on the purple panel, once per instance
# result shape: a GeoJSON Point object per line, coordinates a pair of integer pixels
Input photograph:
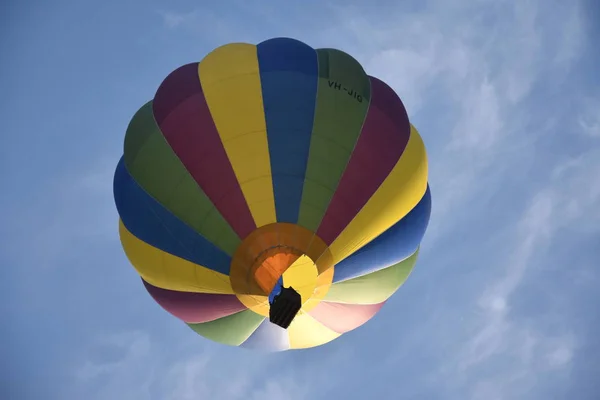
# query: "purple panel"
{"type": "Point", "coordinates": [195, 307]}
{"type": "Point", "coordinates": [184, 118]}
{"type": "Point", "coordinates": [382, 141]}
{"type": "Point", "coordinates": [342, 318]}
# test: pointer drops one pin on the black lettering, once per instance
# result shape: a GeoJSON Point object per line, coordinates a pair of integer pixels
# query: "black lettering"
{"type": "Point", "coordinates": [351, 92]}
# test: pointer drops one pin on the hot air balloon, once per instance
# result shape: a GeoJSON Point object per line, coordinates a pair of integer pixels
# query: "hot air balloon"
{"type": "Point", "coordinates": [272, 196]}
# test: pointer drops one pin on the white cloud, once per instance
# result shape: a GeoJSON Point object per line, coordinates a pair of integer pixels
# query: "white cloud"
{"type": "Point", "coordinates": [173, 19]}
{"type": "Point", "coordinates": [561, 355]}
{"type": "Point", "coordinates": [64, 212]}
{"type": "Point", "coordinates": [589, 117]}
{"type": "Point", "coordinates": [572, 37]}
{"type": "Point", "coordinates": [210, 25]}
{"type": "Point", "coordinates": [129, 374]}
{"type": "Point", "coordinates": [569, 199]}
{"type": "Point", "coordinates": [134, 347]}
{"type": "Point", "coordinates": [145, 368]}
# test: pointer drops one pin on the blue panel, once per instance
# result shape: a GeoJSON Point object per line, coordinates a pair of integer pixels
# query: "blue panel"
{"type": "Point", "coordinates": [150, 222]}
{"type": "Point", "coordinates": [268, 337]}
{"type": "Point", "coordinates": [289, 76]}
{"type": "Point", "coordinates": [391, 247]}
{"type": "Point", "coordinates": [276, 290]}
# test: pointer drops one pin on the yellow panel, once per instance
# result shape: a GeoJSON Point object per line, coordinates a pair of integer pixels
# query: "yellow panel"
{"type": "Point", "coordinates": [398, 194]}
{"type": "Point", "coordinates": [258, 304]}
{"type": "Point", "coordinates": [302, 276]}
{"type": "Point", "coordinates": [231, 83]}
{"type": "Point", "coordinates": [167, 271]}
{"type": "Point", "coordinates": [323, 284]}
{"type": "Point", "coordinates": [305, 332]}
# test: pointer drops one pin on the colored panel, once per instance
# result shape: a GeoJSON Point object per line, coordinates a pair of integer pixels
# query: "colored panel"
{"type": "Point", "coordinates": [392, 246]}
{"type": "Point", "coordinates": [195, 307]}
{"type": "Point", "coordinates": [169, 272]}
{"type": "Point", "coordinates": [145, 218]}
{"type": "Point", "coordinates": [289, 75]}
{"type": "Point", "coordinates": [276, 290]}
{"type": "Point", "coordinates": [268, 337]}
{"type": "Point", "coordinates": [343, 318]}
{"type": "Point", "coordinates": [183, 116]}
{"type": "Point", "coordinates": [271, 268]}
{"type": "Point", "coordinates": [302, 276]}
{"type": "Point", "coordinates": [383, 138]}
{"type": "Point", "coordinates": [155, 167]}
{"type": "Point", "coordinates": [258, 304]}
{"type": "Point", "coordinates": [232, 330]}
{"type": "Point", "coordinates": [305, 331]}
{"type": "Point", "coordinates": [231, 82]}
{"type": "Point", "coordinates": [373, 288]}
{"type": "Point", "coordinates": [399, 193]}
{"type": "Point", "coordinates": [343, 96]}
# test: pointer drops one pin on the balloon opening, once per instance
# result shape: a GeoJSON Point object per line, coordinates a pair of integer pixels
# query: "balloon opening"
{"type": "Point", "coordinates": [279, 256]}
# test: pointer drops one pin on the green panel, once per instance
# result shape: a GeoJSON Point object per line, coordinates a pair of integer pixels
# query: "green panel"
{"type": "Point", "coordinates": [375, 287]}
{"type": "Point", "coordinates": [343, 97]}
{"type": "Point", "coordinates": [232, 330]}
{"type": "Point", "coordinates": [156, 168]}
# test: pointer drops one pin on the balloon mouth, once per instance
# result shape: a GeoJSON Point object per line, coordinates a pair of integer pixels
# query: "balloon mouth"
{"type": "Point", "coordinates": [280, 255]}
{"type": "Point", "coordinates": [271, 264]}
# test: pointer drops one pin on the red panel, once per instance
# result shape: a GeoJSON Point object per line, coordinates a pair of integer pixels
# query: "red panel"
{"type": "Point", "coordinates": [382, 141]}
{"type": "Point", "coordinates": [184, 118]}
{"type": "Point", "coordinates": [342, 318]}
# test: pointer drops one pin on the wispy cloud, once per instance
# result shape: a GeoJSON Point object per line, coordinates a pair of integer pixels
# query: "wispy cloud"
{"type": "Point", "coordinates": [570, 199]}
{"type": "Point", "coordinates": [116, 365]}
{"type": "Point", "coordinates": [75, 207]}
{"type": "Point", "coordinates": [589, 118]}
{"type": "Point", "coordinates": [174, 19]}
{"type": "Point", "coordinates": [131, 347]}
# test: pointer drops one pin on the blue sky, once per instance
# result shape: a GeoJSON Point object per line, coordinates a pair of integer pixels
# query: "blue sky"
{"type": "Point", "coordinates": [504, 301]}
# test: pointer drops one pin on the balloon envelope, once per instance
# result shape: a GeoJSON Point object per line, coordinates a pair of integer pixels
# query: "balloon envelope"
{"type": "Point", "coordinates": [268, 166]}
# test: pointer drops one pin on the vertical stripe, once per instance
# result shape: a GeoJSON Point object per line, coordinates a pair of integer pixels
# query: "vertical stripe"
{"type": "Point", "coordinates": [183, 117]}
{"type": "Point", "coordinates": [383, 139]}
{"type": "Point", "coordinates": [289, 75]}
{"type": "Point", "coordinates": [399, 193]}
{"type": "Point", "coordinates": [305, 332]}
{"type": "Point", "coordinates": [342, 318]}
{"type": "Point", "coordinates": [373, 288]}
{"type": "Point", "coordinates": [343, 96]}
{"type": "Point", "coordinates": [276, 290]}
{"type": "Point", "coordinates": [195, 307]}
{"type": "Point", "coordinates": [157, 169]}
{"type": "Point", "coordinates": [392, 246]}
{"type": "Point", "coordinates": [230, 79]}
{"type": "Point", "coordinates": [149, 221]}
{"type": "Point", "coordinates": [302, 276]}
{"type": "Point", "coordinates": [268, 337]}
{"type": "Point", "coordinates": [232, 330]}
{"type": "Point", "coordinates": [167, 271]}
